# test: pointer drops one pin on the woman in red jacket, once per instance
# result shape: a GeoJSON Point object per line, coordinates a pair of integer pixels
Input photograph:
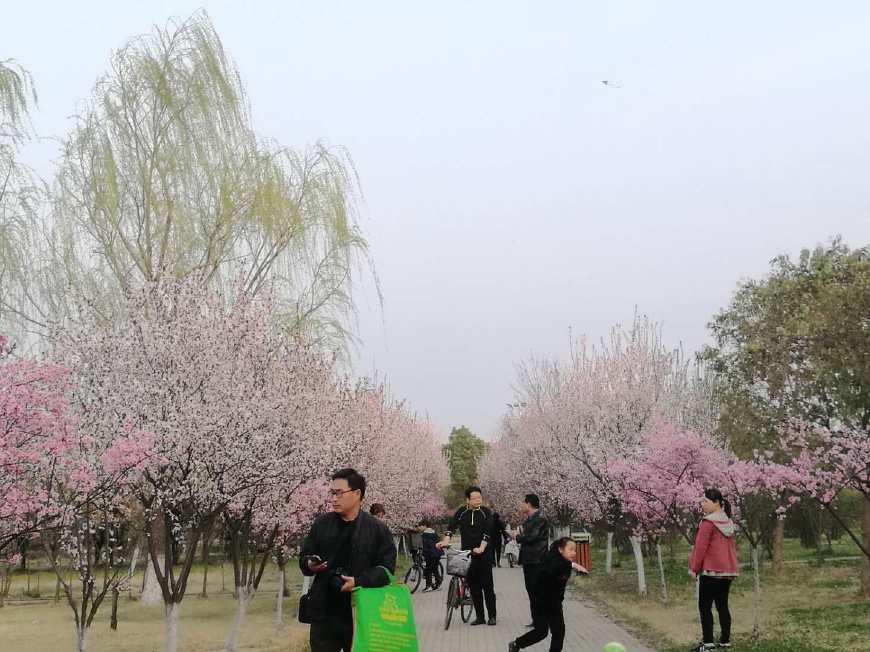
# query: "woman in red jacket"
{"type": "Point", "coordinates": [714, 563]}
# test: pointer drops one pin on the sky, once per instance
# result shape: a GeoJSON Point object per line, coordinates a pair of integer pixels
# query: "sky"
{"type": "Point", "coordinates": [509, 196]}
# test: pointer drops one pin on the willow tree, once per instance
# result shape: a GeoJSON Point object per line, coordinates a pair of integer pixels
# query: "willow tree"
{"type": "Point", "coordinates": [20, 189]}
{"type": "Point", "coordinates": [163, 176]}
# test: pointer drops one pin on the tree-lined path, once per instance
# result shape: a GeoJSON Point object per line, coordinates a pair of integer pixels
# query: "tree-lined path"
{"type": "Point", "coordinates": [586, 629]}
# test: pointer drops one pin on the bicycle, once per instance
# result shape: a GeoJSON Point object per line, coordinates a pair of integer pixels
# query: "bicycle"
{"type": "Point", "coordinates": [417, 571]}
{"type": "Point", "coordinates": [458, 596]}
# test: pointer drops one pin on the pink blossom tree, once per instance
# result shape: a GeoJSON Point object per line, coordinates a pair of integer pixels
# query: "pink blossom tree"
{"type": "Point", "coordinates": [661, 484]}
{"type": "Point", "coordinates": [197, 370]}
{"type": "Point", "coordinates": [34, 426]}
{"type": "Point", "coordinates": [825, 463]}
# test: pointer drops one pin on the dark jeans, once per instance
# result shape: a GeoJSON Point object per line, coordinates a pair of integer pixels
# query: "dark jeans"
{"type": "Point", "coordinates": [331, 636]}
{"type": "Point", "coordinates": [480, 584]}
{"type": "Point", "coordinates": [496, 556]}
{"type": "Point", "coordinates": [430, 570]}
{"type": "Point", "coordinates": [550, 618]}
{"type": "Point", "coordinates": [531, 573]}
{"type": "Point", "coordinates": [714, 590]}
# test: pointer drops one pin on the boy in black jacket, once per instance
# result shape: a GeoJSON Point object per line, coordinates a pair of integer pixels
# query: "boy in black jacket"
{"type": "Point", "coordinates": [549, 594]}
{"type": "Point", "coordinates": [431, 554]}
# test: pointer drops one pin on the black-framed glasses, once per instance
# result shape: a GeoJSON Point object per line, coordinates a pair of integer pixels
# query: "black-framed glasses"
{"type": "Point", "coordinates": [335, 493]}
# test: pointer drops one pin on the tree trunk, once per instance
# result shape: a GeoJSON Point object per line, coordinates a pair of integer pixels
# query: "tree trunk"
{"type": "Point", "coordinates": [241, 607]}
{"type": "Point", "coordinates": [151, 592]}
{"type": "Point", "coordinates": [81, 638]}
{"type": "Point", "coordinates": [865, 567]}
{"type": "Point", "coordinates": [57, 591]}
{"type": "Point", "coordinates": [114, 620]}
{"type": "Point", "coordinates": [778, 536]}
{"type": "Point", "coordinates": [638, 561]}
{"type": "Point", "coordinates": [662, 573]}
{"type": "Point", "coordinates": [608, 559]}
{"type": "Point", "coordinates": [756, 590]}
{"type": "Point", "coordinates": [134, 559]}
{"type": "Point", "coordinates": [279, 607]}
{"type": "Point", "coordinates": [206, 554]}
{"type": "Point", "coordinates": [172, 627]}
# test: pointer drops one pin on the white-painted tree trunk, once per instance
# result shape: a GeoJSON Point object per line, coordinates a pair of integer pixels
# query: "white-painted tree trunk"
{"type": "Point", "coordinates": [756, 590]}
{"type": "Point", "coordinates": [662, 573]}
{"type": "Point", "coordinates": [172, 627]}
{"type": "Point", "coordinates": [608, 558]}
{"type": "Point", "coordinates": [133, 561]}
{"type": "Point", "coordinates": [241, 607]}
{"type": "Point", "coordinates": [151, 592]}
{"type": "Point", "coordinates": [638, 561]}
{"type": "Point", "coordinates": [279, 606]}
{"type": "Point", "coordinates": [81, 639]}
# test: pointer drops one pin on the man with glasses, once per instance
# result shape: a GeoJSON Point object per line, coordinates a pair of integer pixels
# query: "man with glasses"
{"type": "Point", "coordinates": [345, 548]}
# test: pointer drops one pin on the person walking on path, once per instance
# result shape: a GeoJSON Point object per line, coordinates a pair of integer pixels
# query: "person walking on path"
{"type": "Point", "coordinates": [431, 553]}
{"type": "Point", "coordinates": [533, 547]}
{"type": "Point", "coordinates": [497, 538]}
{"type": "Point", "coordinates": [553, 575]}
{"type": "Point", "coordinates": [714, 562]}
{"type": "Point", "coordinates": [474, 523]}
{"type": "Point", "coordinates": [344, 549]}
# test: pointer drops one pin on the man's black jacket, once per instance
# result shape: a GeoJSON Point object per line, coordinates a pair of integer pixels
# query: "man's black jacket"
{"type": "Point", "coordinates": [372, 554]}
{"type": "Point", "coordinates": [533, 540]}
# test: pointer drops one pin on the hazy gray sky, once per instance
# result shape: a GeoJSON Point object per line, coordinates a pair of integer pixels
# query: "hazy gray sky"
{"type": "Point", "coordinates": [508, 193]}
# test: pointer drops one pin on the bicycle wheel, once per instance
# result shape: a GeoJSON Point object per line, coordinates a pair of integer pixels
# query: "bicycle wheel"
{"type": "Point", "coordinates": [451, 595]}
{"type": "Point", "coordinates": [466, 605]}
{"type": "Point", "coordinates": [438, 576]}
{"type": "Point", "coordinates": [413, 577]}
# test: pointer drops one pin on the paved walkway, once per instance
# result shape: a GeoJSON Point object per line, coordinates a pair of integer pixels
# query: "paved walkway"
{"type": "Point", "coordinates": [586, 629]}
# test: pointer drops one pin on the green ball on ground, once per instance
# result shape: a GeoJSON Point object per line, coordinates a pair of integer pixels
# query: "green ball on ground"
{"type": "Point", "coordinates": [613, 647]}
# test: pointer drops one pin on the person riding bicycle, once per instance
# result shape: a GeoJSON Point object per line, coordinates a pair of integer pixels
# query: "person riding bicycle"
{"type": "Point", "coordinates": [431, 553]}
{"type": "Point", "coordinates": [474, 523]}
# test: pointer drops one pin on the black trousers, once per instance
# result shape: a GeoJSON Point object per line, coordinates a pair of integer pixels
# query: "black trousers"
{"type": "Point", "coordinates": [496, 555]}
{"type": "Point", "coordinates": [550, 619]}
{"type": "Point", "coordinates": [714, 590]}
{"type": "Point", "coordinates": [430, 570]}
{"type": "Point", "coordinates": [531, 573]}
{"type": "Point", "coordinates": [331, 636]}
{"type": "Point", "coordinates": [481, 586]}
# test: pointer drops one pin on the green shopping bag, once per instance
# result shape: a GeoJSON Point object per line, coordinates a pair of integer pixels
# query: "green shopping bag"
{"type": "Point", "coordinates": [383, 619]}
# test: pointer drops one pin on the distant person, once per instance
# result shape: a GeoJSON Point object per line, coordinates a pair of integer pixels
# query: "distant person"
{"type": "Point", "coordinates": [377, 510]}
{"type": "Point", "coordinates": [344, 549]}
{"type": "Point", "coordinates": [431, 554]}
{"type": "Point", "coordinates": [714, 563]}
{"type": "Point", "coordinates": [553, 575]}
{"type": "Point", "coordinates": [474, 523]}
{"type": "Point", "coordinates": [497, 538]}
{"type": "Point", "coordinates": [533, 546]}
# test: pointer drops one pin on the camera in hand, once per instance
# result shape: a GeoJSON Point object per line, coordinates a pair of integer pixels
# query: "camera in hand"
{"type": "Point", "coordinates": [335, 581]}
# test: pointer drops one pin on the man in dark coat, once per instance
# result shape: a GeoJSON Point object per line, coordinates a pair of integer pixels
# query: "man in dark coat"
{"type": "Point", "coordinates": [497, 538]}
{"type": "Point", "coordinates": [474, 523]}
{"type": "Point", "coordinates": [533, 547]}
{"type": "Point", "coordinates": [345, 548]}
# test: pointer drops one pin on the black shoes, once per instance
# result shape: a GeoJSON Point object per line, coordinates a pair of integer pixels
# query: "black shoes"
{"type": "Point", "coordinates": [513, 647]}
{"type": "Point", "coordinates": [479, 621]}
{"type": "Point", "coordinates": [491, 620]}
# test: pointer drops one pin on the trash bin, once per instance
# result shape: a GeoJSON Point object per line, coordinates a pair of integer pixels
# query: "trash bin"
{"type": "Point", "coordinates": [584, 554]}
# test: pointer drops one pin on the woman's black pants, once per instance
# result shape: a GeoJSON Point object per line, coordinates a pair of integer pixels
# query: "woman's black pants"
{"type": "Point", "coordinates": [714, 590]}
{"type": "Point", "coordinates": [549, 619]}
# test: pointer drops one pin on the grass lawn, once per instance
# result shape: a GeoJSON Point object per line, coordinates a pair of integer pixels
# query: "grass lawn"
{"type": "Point", "coordinates": [203, 622]}
{"type": "Point", "coordinates": [812, 607]}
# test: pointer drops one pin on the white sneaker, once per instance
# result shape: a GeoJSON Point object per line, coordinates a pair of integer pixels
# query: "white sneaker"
{"type": "Point", "coordinates": [428, 589]}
